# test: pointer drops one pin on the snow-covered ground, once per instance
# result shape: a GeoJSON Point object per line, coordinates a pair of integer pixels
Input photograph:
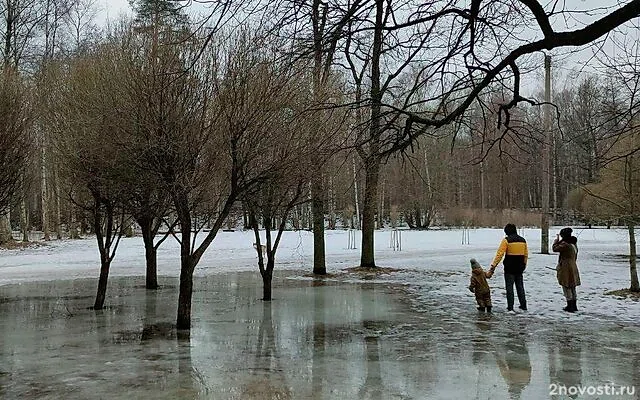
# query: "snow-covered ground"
{"type": "Point", "coordinates": [410, 334]}
{"type": "Point", "coordinates": [433, 264]}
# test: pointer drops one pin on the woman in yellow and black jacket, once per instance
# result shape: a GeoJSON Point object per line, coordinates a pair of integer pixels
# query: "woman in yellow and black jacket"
{"type": "Point", "coordinates": [515, 252]}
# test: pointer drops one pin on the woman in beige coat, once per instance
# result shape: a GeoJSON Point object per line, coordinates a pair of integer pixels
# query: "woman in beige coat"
{"type": "Point", "coordinates": [567, 268]}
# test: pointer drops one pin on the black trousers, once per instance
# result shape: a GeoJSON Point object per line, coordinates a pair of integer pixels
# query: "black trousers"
{"type": "Point", "coordinates": [510, 280]}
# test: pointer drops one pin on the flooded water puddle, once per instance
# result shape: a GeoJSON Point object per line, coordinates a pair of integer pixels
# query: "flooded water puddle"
{"type": "Point", "coordinates": [335, 340]}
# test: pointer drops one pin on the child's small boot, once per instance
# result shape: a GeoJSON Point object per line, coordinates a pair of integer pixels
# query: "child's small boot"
{"type": "Point", "coordinates": [481, 309]}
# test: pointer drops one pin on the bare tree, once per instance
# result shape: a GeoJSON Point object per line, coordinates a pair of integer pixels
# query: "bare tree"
{"type": "Point", "coordinates": [488, 58]}
{"type": "Point", "coordinates": [617, 195]}
{"type": "Point", "coordinates": [265, 109]}
{"type": "Point", "coordinates": [269, 207]}
{"type": "Point", "coordinates": [154, 62]}
{"type": "Point", "coordinates": [14, 138]}
{"type": "Point", "coordinates": [328, 22]}
{"type": "Point", "coordinates": [209, 111]}
{"type": "Point", "coordinates": [284, 149]}
{"type": "Point", "coordinates": [20, 23]}
{"type": "Point", "coordinates": [91, 117]}
{"type": "Point", "coordinates": [379, 63]}
{"type": "Point", "coordinates": [80, 23]}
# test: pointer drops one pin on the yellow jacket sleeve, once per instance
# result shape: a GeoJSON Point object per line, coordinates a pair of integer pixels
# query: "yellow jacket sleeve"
{"type": "Point", "coordinates": [502, 250]}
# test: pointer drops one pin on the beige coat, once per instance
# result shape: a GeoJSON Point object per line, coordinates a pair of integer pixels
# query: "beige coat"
{"type": "Point", "coordinates": [479, 284]}
{"type": "Point", "coordinates": [567, 268]}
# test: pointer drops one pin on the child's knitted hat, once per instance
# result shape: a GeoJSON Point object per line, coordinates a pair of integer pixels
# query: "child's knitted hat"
{"type": "Point", "coordinates": [474, 264]}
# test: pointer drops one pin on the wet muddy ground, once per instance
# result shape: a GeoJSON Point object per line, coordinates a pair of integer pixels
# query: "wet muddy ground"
{"type": "Point", "coordinates": [346, 337]}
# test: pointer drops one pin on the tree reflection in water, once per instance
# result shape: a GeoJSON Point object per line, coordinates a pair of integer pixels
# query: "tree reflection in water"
{"type": "Point", "coordinates": [268, 380]}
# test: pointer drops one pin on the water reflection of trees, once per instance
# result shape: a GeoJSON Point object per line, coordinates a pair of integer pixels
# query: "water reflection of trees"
{"type": "Point", "coordinates": [269, 379]}
{"type": "Point", "coordinates": [190, 381]}
{"type": "Point", "coordinates": [514, 364]}
{"type": "Point", "coordinates": [480, 349]}
{"type": "Point", "coordinates": [565, 362]}
{"type": "Point", "coordinates": [161, 343]}
{"type": "Point", "coordinates": [510, 353]}
{"type": "Point", "coordinates": [318, 370]}
{"type": "Point", "coordinates": [372, 387]}
{"type": "Point", "coordinates": [150, 312]}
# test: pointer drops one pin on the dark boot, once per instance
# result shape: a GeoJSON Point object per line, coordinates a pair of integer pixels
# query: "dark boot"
{"type": "Point", "coordinates": [571, 306]}
{"type": "Point", "coordinates": [488, 308]}
{"type": "Point", "coordinates": [481, 309]}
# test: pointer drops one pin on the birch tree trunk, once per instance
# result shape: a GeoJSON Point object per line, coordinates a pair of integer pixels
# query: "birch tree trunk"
{"type": "Point", "coordinates": [58, 219]}
{"type": "Point", "coordinates": [24, 220]}
{"type": "Point", "coordinates": [355, 194]}
{"type": "Point", "coordinates": [635, 286]}
{"type": "Point", "coordinates": [380, 218]}
{"type": "Point", "coordinates": [44, 192]}
{"type": "Point", "coordinates": [630, 175]}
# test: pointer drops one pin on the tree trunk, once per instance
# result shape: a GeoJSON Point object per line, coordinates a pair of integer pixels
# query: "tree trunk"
{"type": "Point", "coordinates": [409, 220]}
{"type": "Point", "coordinates": [373, 160]}
{"type": "Point", "coordinates": [150, 253]}
{"type": "Point", "coordinates": [187, 265]}
{"type": "Point", "coordinates": [295, 219]}
{"type": "Point", "coordinates": [355, 194]}
{"type": "Point", "coordinates": [368, 213]}
{"type": "Point", "coordinates": [635, 287]}
{"type": "Point", "coordinates": [5, 228]}
{"type": "Point", "coordinates": [267, 277]}
{"type": "Point", "coordinates": [380, 224]}
{"type": "Point", "coordinates": [58, 219]}
{"type": "Point", "coordinates": [245, 219]}
{"type": "Point", "coordinates": [187, 261]}
{"type": "Point", "coordinates": [332, 205]}
{"type": "Point", "coordinates": [74, 226]}
{"type": "Point", "coordinates": [459, 187]}
{"type": "Point", "coordinates": [546, 160]}
{"type": "Point", "coordinates": [44, 193]}
{"type": "Point", "coordinates": [24, 220]}
{"type": "Point", "coordinates": [152, 268]}
{"type": "Point", "coordinates": [317, 207]}
{"type": "Point", "coordinates": [102, 282]}
{"type": "Point", "coordinates": [186, 291]}
{"type": "Point", "coordinates": [483, 201]}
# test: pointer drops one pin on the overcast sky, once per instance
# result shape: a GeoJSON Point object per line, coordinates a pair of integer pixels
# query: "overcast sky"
{"type": "Point", "coordinates": [111, 9]}
{"type": "Point", "coordinates": [565, 60]}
